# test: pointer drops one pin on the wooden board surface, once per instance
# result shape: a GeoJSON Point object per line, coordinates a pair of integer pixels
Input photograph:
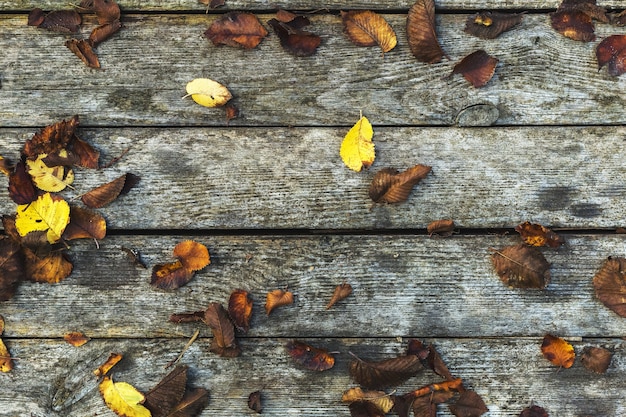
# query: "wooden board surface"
{"type": "Point", "coordinates": [542, 78]}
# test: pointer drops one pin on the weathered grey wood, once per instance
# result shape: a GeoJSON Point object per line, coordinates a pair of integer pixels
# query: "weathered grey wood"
{"type": "Point", "coordinates": [54, 379]}
{"type": "Point", "coordinates": [294, 178]}
{"type": "Point", "coordinates": [542, 77]}
{"type": "Point", "coordinates": [403, 285]}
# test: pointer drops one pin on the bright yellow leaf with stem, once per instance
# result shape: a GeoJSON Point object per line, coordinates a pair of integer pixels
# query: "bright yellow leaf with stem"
{"type": "Point", "coordinates": [43, 214]}
{"type": "Point", "coordinates": [123, 398]}
{"type": "Point", "coordinates": [208, 93]}
{"type": "Point", "coordinates": [357, 148]}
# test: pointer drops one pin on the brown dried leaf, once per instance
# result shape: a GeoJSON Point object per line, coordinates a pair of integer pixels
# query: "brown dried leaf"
{"type": "Point", "coordinates": [168, 393]}
{"type": "Point", "coordinates": [619, 19]}
{"type": "Point", "coordinates": [232, 112]}
{"type": "Point", "coordinates": [64, 21]}
{"type": "Point", "coordinates": [106, 11]}
{"type": "Point", "coordinates": [533, 411]}
{"type": "Point", "coordinates": [365, 409]}
{"type": "Point", "coordinates": [443, 227]}
{"type": "Point", "coordinates": [391, 186]}
{"type": "Point", "coordinates": [277, 298]}
{"type": "Point", "coordinates": [170, 276]}
{"type": "Point", "coordinates": [104, 369]}
{"type": "Point", "coordinates": [86, 156]}
{"type": "Point", "coordinates": [381, 374]}
{"type": "Point", "coordinates": [21, 187]}
{"type": "Point", "coordinates": [421, 34]}
{"type": "Point", "coordinates": [254, 402]}
{"type": "Point", "coordinates": [469, 404]}
{"type": "Point", "coordinates": [51, 268]}
{"type": "Point", "coordinates": [135, 256]}
{"type": "Point", "coordinates": [76, 339]}
{"type": "Point", "coordinates": [417, 348]}
{"type": "Point", "coordinates": [309, 357]}
{"type": "Point", "coordinates": [366, 28]}
{"type": "Point", "coordinates": [558, 351]}
{"type": "Point", "coordinates": [341, 291]}
{"type": "Point", "coordinates": [382, 400]}
{"type": "Point", "coordinates": [236, 29]}
{"type": "Point", "coordinates": [295, 41]}
{"type": "Point", "coordinates": [85, 224]}
{"type": "Point", "coordinates": [83, 49]}
{"type": "Point", "coordinates": [6, 362]}
{"type": "Point", "coordinates": [192, 404]}
{"type": "Point", "coordinates": [610, 285]}
{"type": "Point", "coordinates": [12, 269]}
{"type": "Point", "coordinates": [538, 235]}
{"type": "Point", "coordinates": [573, 24]}
{"type": "Point", "coordinates": [612, 51]}
{"type": "Point", "coordinates": [240, 309]}
{"type": "Point", "coordinates": [109, 192]}
{"type": "Point", "coordinates": [437, 365]}
{"type": "Point", "coordinates": [477, 68]}
{"type": "Point", "coordinates": [223, 343]}
{"type": "Point", "coordinates": [521, 266]}
{"type": "Point", "coordinates": [596, 359]}
{"type": "Point", "coordinates": [488, 25]}
{"type": "Point", "coordinates": [104, 32]}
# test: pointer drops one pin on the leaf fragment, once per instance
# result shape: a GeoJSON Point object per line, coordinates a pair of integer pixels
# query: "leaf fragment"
{"type": "Point", "coordinates": [533, 411]}
{"type": "Point", "coordinates": [104, 32]}
{"type": "Point", "coordinates": [12, 269]}
{"type": "Point", "coordinates": [469, 404]}
{"type": "Point", "coordinates": [521, 266]}
{"type": "Point", "coordinates": [85, 224]}
{"type": "Point", "coordinates": [109, 192]}
{"type": "Point", "coordinates": [240, 309]}
{"type": "Point", "coordinates": [51, 139]}
{"type": "Point", "coordinates": [381, 374]}
{"type": "Point", "coordinates": [208, 93]}
{"type": "Point", "coordinates": [223, 343]}
{"type": "Point", "coordinates": [610, 285]}
{"type": "Point", "coordinates": [391, 186]}
{"type": "Point", "coordinates": [341, 291]}
{"type": "Point", "coordinates": [596, 359]}
{"type": "Point", "coordinates": [309, 357]}
{"type": "Point", "coordinates": [192, 256]}
{"type": "Point", "coordinates": [537, 235]}
{"type": "Point", "coordinates": [421, 34]}
{"type": "Point", "coordinates": [76, 339]}
{"type": "Point", "coordinates": [21, 187]}
{"type": "Point", "coordinates": [63, 21]}
{"type": "Point", "coordinates": [6, 362]}
{"type": "Point", "coordinates": [236, 29]}
{"type": "Point", "coordinates": [357, 148]}
{"type": "Point", "coordinates": [367, 28]}
{"type": "Point", "coordinates": [123, 398]}
{"type": "Point", "coordinates": [612, 51]}
{"type": "Point", "coordinates": [6, 166]}
{"type": "Point", "coordinates": [254, 402]}
{"type": "Point", "coordinates": [489, 25]}
{"type": "Point", "coordinates": [45, 214]}
{"type": "Point", "coordinates": [295, 40]}
{"type": "Point", "coordinates": [111, 361]}
{"type": "Point", "coordinates": [443, 227]}
{"type": "Point", "coordinates": [558, 351]}
{"type": "Point", "coordinates": [83, 49]}
{"type": "Point", "coordinates": [477, 68]}
{"type": "Point", "coordinates": [166, 395]}
{"type": "Point", "coordinates": [277, 298]}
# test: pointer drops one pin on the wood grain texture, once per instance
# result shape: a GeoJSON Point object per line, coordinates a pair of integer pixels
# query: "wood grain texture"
{"type": "Point", "coordinates": [264, 178]}
{"type": "Point", "coordinates": [542, 78]}
{"type": "Point", "coordinates": [53, 379]}
{"type": "Point", "coordinates": [402, 285]}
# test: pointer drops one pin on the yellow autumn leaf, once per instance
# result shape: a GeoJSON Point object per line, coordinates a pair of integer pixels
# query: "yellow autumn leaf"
{"type": "Point", "coordinates": [41, 215]}
{"type": "Point", "coordinates": [52, 179]}
{"type": "Point", "coordinates": [123, 398]}
{"type": "Point", "coordinates": [357, 148]}
{"type": "Point", "coordinates": [208, 93]}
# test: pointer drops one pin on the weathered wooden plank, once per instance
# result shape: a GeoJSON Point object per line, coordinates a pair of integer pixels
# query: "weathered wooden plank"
{"type": "Point", "coordinates": [542, 77]}
{"type": "Point", "coordinates": [54, 379]}
{"type": "Point", "coordinates": [403, 285]}
{"type": "Point", "coordinates": [266, 178]}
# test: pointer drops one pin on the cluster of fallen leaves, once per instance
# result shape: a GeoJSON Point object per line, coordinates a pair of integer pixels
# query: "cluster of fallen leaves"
{"type": "Point", "coordinates": [37, 235]}
{"type": "Point", "coordinates": [562, 354]}
{"type": "Point", "coordinates": [69, 21]}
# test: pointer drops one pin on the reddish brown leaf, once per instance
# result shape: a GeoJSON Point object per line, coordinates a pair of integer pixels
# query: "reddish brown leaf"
{"type": "Point", "coordinates": [309, 357]}
{"type": "Point", "coordinates": [437, 365]}
{"type": "Point", "coordinates": [106, 11]}
{"type": "Point", "coordinates": [51, 139]}
{"type": "Point", "coordinates": [170, 276]}
{"type": "Point", "coordinates": [21, 187]}
{"type": "Point", "coordinates": [193, 255]}
{"type": "Point", "coordinates": [76, 339]}
{"type": "Point", "coordinates": [104, 32]}
{"type": "Point", "coordinates": [277, 298]}
{"type": "Point", "coordinates": [83, 49]}
{"type": "Point", "coordinates": [558, 351]}
{"type": "Point", "coordinates": [426, 406]}
{"type": "Point", "coordinates": [391, 186]}
{"type": "Point", "coordinates": [192, 404]}
{"type": "Point", "coordinates": [533, 411]}
{"type": "Point", "coordinates": [610, 285]}
{"type": "Point", "coordinates": [107, 193]}
{"type": "Point", "coordinates": [254, 402]}
{"type": "Point", "coordinates": [341, 291]}
{"type": "Point", "coordinates": [104, 369]}
{"type": "Point", "coordinates": [365, 409]}
{"type": "Point", "coordinates": [421, 34]}
{"type": "Point", "coordinates": [12, 269]}
{"type": "Point", "coordinates": [240, 309]}
{"type": "Point", "coordinates": [86, 155]}
{"type": "Point", "coordinates": [538, 235]}
{"type": "Point", "coordinates": [573, 24]}
{"type": "Point", "coordinates": [612, 51]}
{"type": "Point", "coordinates": [377, 375]}
{"type": "Point", "coordinates": [366, 28]}
{"type": "Point", "coordinates": [521, 266]}
{"type": "Point", "coordinates": [168, 393]}
{"type": "Point", "coordinates": [236, 29]}
{"type": "Point", "coordinates": [232, 111]}
{"type": "Point", "coordinates": [596, 359]}
{"type": "Point", "coordinates": [294, 40]}
{"type": "Point", "coordinates": [223, 343]}
{"type": "Point", "coordinates": [588, 7]}
{"type": "Point", "coordinates": [488, 25]}
{"type": "Point", "coordinates": [64, 21]}
{"type": "Point", "coordinates": [469, 404]}
{"type": "Point", "coordinates": [443, 227]}
{"type": "Point", "coordinates": [477, 68]}
{"type": "Point", "coordinates": [417, 348]}
{"type": "Point", "coordinates": [84, 224]}
{"type": "Point", "coordinates": [51, 268]}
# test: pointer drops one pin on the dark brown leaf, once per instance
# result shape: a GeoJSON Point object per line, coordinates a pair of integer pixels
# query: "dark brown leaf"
{"type": "Point", "coordinates": [310, 357]}
{"type": "Point", "coordinates": [522, 266]}
{"type": "Point", "coordinates": [6, 166]}
{"type": "Point", "coordinates": [223, 343]}
{"type": "Point", "coordinates": [104, 32]}
{"type": "Point", "coordinates": [596, 359]}
{"type": "Point", "coordinates": [477, 68]}
{"type": "Point", "coordinates": [51, 139]}
{"type": "Point", "coordinates": [538, 235]}
{"type": "Point", "coordinates": [107, 193]}
{"type": "Point", "coordinates": [12, 269]}
{"type": "Point", "coordinates": [84, 224]}
{"type": "Point", "coordinates": [426, 406]}
{"type": "Point", "coordinates": [36, 17]}
{"type": "Point", "coordinates": [82, 49]}
{"type": "Point", "coordinates": [417, 348]}
{"type": "Point", "coordinates": [575, 25]}
{"type": "Point", "coordinates": [170, 276]}
{"type": "Point", "coordinates": [135, 256]}
{"type": "Point", "coordinates": [254, 402]}
{"type": "Point", "coordinates": [391, 186]}
{"type": "Point", "coordinates": [610, 285]}
{"type": "Point", "coordinates": [421, 34]}
{"type": "Point", "coordinates": [612, 51]}
{"type": "Point", "coordinates": [619, 19]}
{"type": "Point", "coordinates": [293, 20]}
{"type": "Point", "coordinates": [295, 41]}
{"type": "Point", "coordinates": [443, 227]}
{"type": "Point", "coordinates": [341, 291]}
{"type": "Point", "coordinates": [488, 25]}
{"type": "Point", "coordinates": [192, 404]}
{"type": "Point", "coordinates": [168, 393]}
{"type": "Point", "coordinates": [469, 404]}
{"type": "Point", "coordinates": [236, 29]}
{"type": "Point", "coordinates": [86, 156]}
{"type": "Point", "coordinates": [533, 411]}
{"type": "Point", "coordinates": [377, 375]}
{"type": "Point", "coordinates": [64, 21]}
{"type": "Point", "coordinates": [588, 7]}
{"type": "Point", "coordinates": [240, 309]}
{"type": "Point", "coordinates": [365, 409]}
{"type": "Point", "coordinates": [437, 365]}
{"type": "Point", "coordinates": [21, 187]}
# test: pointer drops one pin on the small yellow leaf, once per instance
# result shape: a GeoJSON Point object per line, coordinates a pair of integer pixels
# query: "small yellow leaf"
{"type": "Point", "coordinates": [123, 398]}
{"type": "Point", "coordinates": [43, 214]}
{"type": "Point", "coordinates": [357, 148]}
{"type": "Point", "coordinates": [52, 179]}
{"type": "Point", "coordinates": [208, 93]}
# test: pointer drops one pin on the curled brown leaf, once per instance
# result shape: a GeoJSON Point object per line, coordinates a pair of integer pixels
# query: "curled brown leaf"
{"type": "Point", "coordinates": [610, 285]}
{"type": "Point", "coordinates": [312, 358]}
{"type": "Point", "coordinates": [421, 34]}
{"type": "Point", "coordinates": [391, 186]}
{"type": "Point", "coordinates": [277, 298]}
{"type": "Point", "coordinates": [477, 68]}
{"type": "Point", "coordinates": [381, 374]}
{"type": "Point", "coordinates": [236, 29]}
{"type": "Point", "coordinates": [521, 266]}
{"type": "Point", "coordinates": [488, 25]}
{"type": "Point", "coordinates": [341, 291]}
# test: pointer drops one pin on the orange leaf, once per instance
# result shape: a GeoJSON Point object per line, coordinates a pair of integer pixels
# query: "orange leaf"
{"type": "Point", "coordinates": [610, 285]}
{"type": "Point", "coordinates": [85, 224]}
{"type": "Point", "coordinates": [6, 362]}
{"type": "Point", "coordinates": [538, 235]}
{"type": "Point", "coordinates": [477, 68]}
{"type": "Point", "coordinates": [488, 25]}
{"type": "Point", "coordinates": [341, 291]}
{"type": "Point", "coordinates": [455, 384]}
{"type": "Point", "coordinates": [391, 186]}
{"type": "Point", "coordinates": [377, 375]}
{"type": "Point", "coordinates": [521, 266]}
{"type": "Point", "coordinates": [596, 359]}
{"type": "Point", "coordinates": [193, 255]}
{"type": "Point", "coordinates": [240, 309]}
{"type": "Point", "coordinates": [104, 369]}
{"type": "Point", "coordinates": [443, 227]}
{"type": "Point", "coordinates": [420, 30]}
{"type": "Point", "coordinates": [612, 51]}
{"type": "Point", "coordinates": [106, 193]}
{"type": "Point", "coordinates": [51, 268]}
{"type": "Point", "coordinates": [310, 357]}
{"type": "Point", "coordinates": [236, 29]}
{"type": "Point", "coordinates": [558, 351]}
{"type": "Point", "coordinates": [76, 339]}
{"type": "Point", "coordinates": [366, 28]}
{"type": "Point", "coordinates": [277, 298]}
